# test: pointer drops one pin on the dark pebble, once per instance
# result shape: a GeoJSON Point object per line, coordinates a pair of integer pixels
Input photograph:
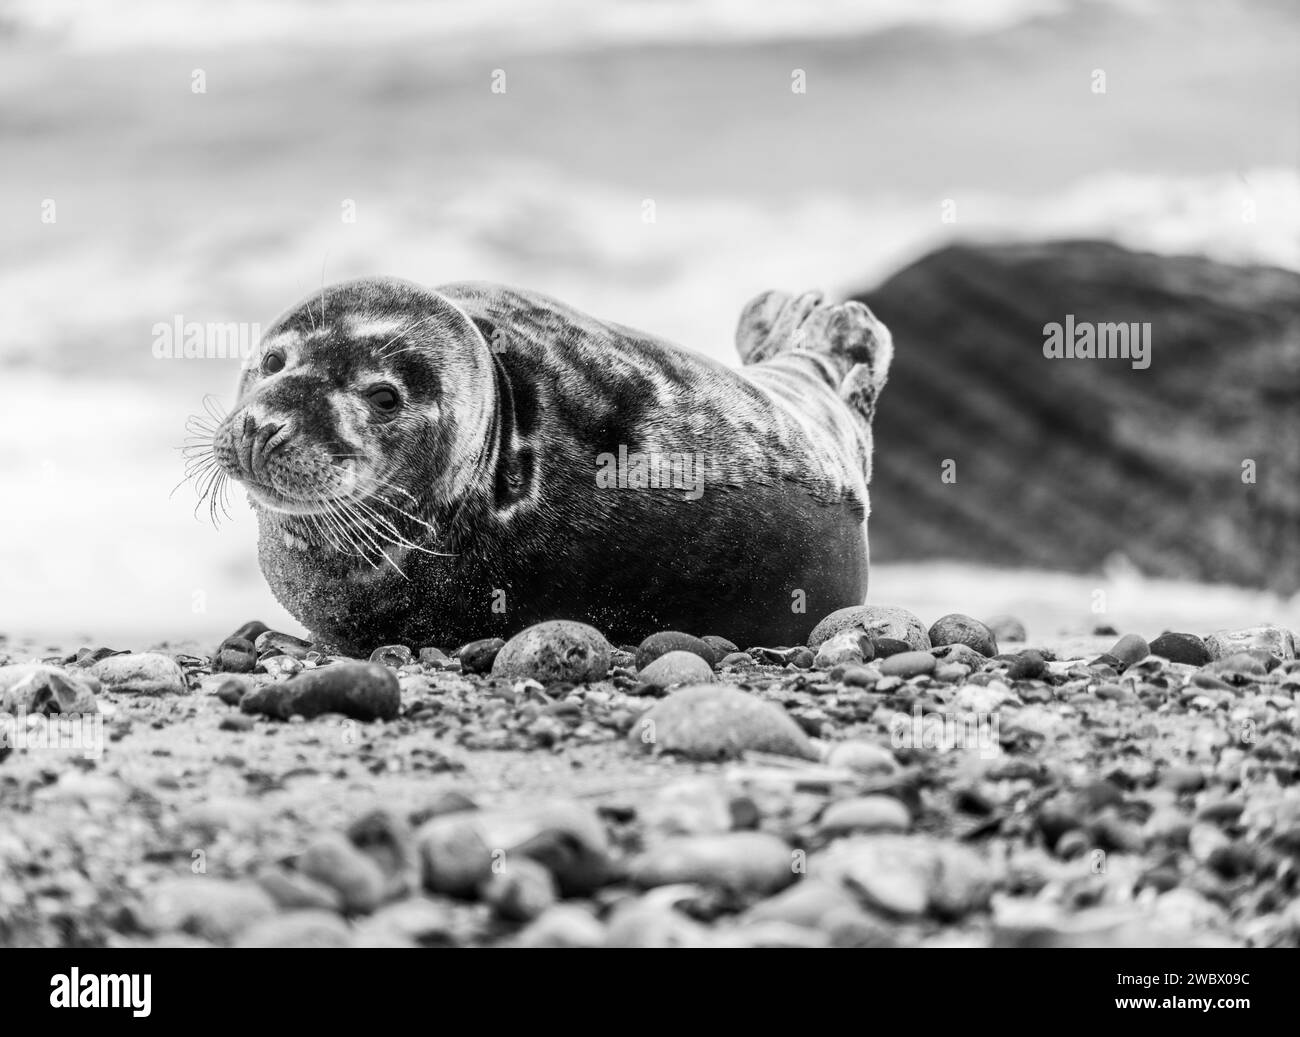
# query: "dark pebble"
{"type": "Point", "coordinates": [250, 631]}
{"type": "Point", "coordinates": [232, 690]}
{"type": "Point", "coordinates": [802, 658]}
{"type": "Point", "coordinates": [1130, 649]}
{"type": "Point", "coordinates": [478, 656]}
{"type": "Point", "coordinates": [236, 655]}
{"type": "Point", "coordinates": [673, 641]}
{"type": "Point", "coordinates": [363, 691]}
{"type": "Point", "coordinates": [720, 645]}
{"type": "Point", "coordinates": [887, 646]}
{"type": "Point", "coordinates": [956, 629]}
{"type": "Point", "coordinates": [1104, 630]}
{"type": "Point", "coordinates": [1028, 665]}
{"type": "Point", "coordinates": [1181, 648]}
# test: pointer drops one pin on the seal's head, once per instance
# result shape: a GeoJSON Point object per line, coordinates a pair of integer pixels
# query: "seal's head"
{"type": "Point", "coordinates": [370, 388]}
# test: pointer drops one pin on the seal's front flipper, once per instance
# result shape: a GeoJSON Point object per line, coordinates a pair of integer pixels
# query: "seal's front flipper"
{"type": "Point", "coordinates": [770, 324]}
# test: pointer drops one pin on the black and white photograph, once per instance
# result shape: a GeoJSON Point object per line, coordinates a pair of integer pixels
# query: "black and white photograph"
{"type": "Point", "coordinates": [650, 474]}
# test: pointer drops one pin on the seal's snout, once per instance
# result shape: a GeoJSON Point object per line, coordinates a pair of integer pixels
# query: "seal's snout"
{"type": "Point", "coordinates": [257, 442]}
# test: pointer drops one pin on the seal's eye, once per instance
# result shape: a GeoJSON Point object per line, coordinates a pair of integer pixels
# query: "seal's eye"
{"type": "Point", "coordinates": [384, 399]}
{"type": "Point", "coordinates": [272, 363]}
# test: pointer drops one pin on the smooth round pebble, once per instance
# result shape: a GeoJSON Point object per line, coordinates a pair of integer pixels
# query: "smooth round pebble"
{"type": "Point", "coordinates": [558, 650]}
{"type": "Point", "coordinates": [673, 668]}
{"type": "Point", "coordinates": [957, 629]}
{"type": "Point", "coordinates": [876, 621]}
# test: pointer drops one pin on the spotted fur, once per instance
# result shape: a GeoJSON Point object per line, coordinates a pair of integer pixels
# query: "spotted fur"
{"type": "Point", "coordinates": [484, 499]}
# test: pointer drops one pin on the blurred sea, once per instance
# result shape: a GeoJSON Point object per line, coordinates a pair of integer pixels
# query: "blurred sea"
{"type": "Point", "coordinates": [226, 206]}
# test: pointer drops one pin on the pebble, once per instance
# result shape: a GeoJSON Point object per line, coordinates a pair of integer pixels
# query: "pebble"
{"type": "Point", "coordinates": [235, 655]}
{"type": "Point", "coordinates": [298, 929]}
{"type": "Point", "coordinates": [1277, 641]}
{"type": "Point", "coordinates": [232, 689]}
{"type": "Point", "coordinates": [741, 862]}
{"type": "Point", "coordinates": [281, 667]}
{"type": "Point", "coordinates": [688, 806]}
{"type": "Point", "coordinates": [38, 688]}
{"type": "Point", "coordinates": [908, 664]}
{"type": "Point", "coordinates": [458, 850]}
{"type": "Point", "coordinates": [1244, 663]}
{"type": "Point", "coordinates": [478, 656]}
{"type": "Point", "coordinates": [956, 629]}
{"type": "Point", "coordinates": [865, 758]}
{"type": "Point", "coordinates": [908, 876]}
{"type": "Point", "coordinates": [864, 814]}
{"type": "Point", "coordinates": [436, 659]}
{"type": "Point", "coordinates": [557, 650]}
{"type": "Point", "coordinates": [846, 647]}
{"type": "Point", "coordinates": [143, 673]}
{"type": "Point", "coordinates": [222, 814]}
{"type": "Point", "coordinates": [417, 920]}
{"type": "Point", "coordinates": [212, 908]}
{"type": "Point", "coordinates": [738, 661]}
{"type": "Point", "coordinates": [273, 642]}
{"type": "Point", "coordinates": [1183, 778]}
{"type": "Point", "coordinates": [812, 904]}
{"type": "Point", "coordinates": [564, 925]}
{"type": "Point", "coordinates": [652, 922]}
{"type": "Point", "coordinates": [666, 641]}
{"type": "Point", "coordinates": [960, 654]}
{"type": "Point", "coordinates": [395, 656]}
{"type": "Point", "coordinates": [1007, 628]}
{"type": "Point", "coordinates": [887, 646]}
{"type": "Point", "coordinates": [250, 631]}
{"type": "Point", "coordinates": [801, 658]}
{"type": "Point", "coordinates": [293, 891]}
{"type": "Point", "coordinates": [454, 855]}
{"type": "Point", "coordinates": [877, 621]}
{"type": "Point", "coordinates": [714, 722]}
{"type": "Point", "coordinates": [859, 676]}
{"type": "Point", "coordinates": [333, 861]}
{"type": "Point", "coordinates": [1181, 648]}
{"type": "Point", "coordinates": [1129, 649]}
{"type": "Point", "coordinates": [676, 667]}
{"type": "Point", "coordinates": [720, 645]}
{"type": "Point", "coordinates": [520, 891]}
{"type": "Point", "coordinates": [388, 840]}
{"type": "Point", "coordinates": [1027, 665]}
{"type": "Point", "coordinates": [238, 722]}
{"type": "Point", "coordinates": [362, 691]}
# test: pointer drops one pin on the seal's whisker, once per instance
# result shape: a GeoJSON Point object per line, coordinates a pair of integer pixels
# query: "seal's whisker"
{"type": "Point", "coordinates": [361, 532]}
{"type": "Point", "coordinates": [391, 531]}
{"type": "Point", "coordinates": [376, 536]}
{"type": "Point", "coordinates": [215, 409]}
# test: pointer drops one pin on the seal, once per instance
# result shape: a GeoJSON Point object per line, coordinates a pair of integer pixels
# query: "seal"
{"type": "Point", "coordinates": [432, 466]}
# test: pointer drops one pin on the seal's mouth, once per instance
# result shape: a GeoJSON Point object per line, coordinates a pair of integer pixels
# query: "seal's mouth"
{"type": "Point", "coordinates": [269, 497]}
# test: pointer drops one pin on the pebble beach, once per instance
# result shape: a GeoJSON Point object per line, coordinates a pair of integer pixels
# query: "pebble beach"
{"type": "Point", "coordinates": [894, 782]}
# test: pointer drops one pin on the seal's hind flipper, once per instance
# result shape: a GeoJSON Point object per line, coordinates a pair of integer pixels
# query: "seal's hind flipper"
{"type": "Point", "coordinates": [851, 334]}
{"type": "Point", "coordinates": [847, 333]}
{"type": "Point", "coordinates": [770, 324]}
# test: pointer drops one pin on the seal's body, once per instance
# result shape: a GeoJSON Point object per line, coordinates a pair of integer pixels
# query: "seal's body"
{"type": "Point", "coordinates": [430, 467]}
